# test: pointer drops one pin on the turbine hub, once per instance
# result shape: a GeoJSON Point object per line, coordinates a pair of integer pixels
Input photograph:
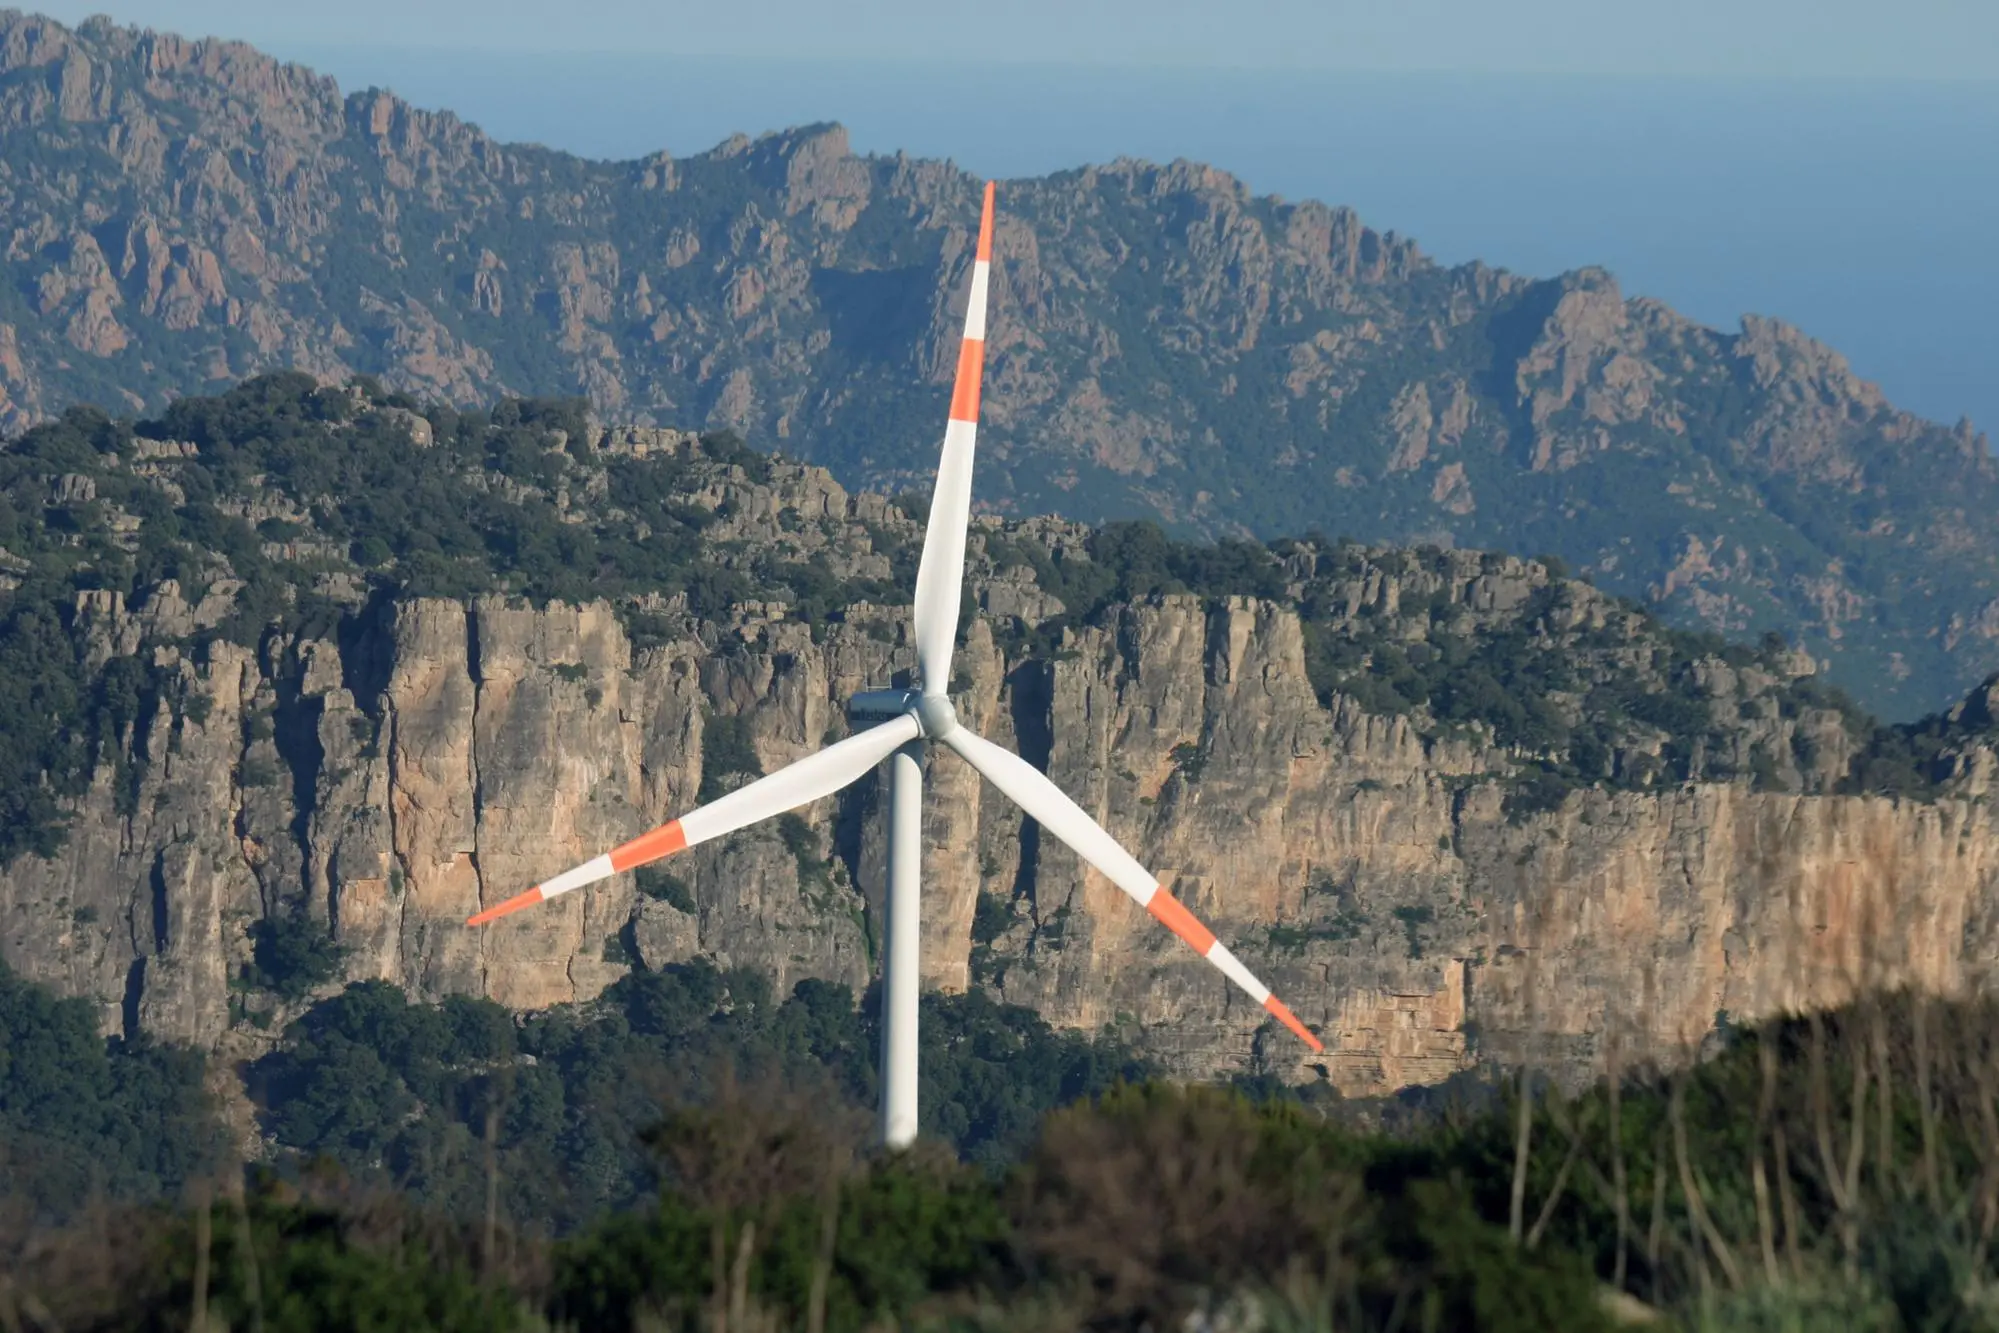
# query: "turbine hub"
{"type": "Point", "coordinates": [936, 716]}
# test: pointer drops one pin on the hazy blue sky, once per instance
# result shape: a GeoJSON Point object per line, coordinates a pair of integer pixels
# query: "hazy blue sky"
{"type": "Point", "coordinates": [1894, 38]}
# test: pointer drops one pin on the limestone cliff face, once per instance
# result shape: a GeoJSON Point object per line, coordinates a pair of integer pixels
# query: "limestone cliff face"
{"type": "Point", "coordinates": [443, 755]}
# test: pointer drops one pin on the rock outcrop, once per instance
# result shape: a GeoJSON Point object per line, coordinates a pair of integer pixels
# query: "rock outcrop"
{"type": "Point", "coordinates": [437, 755]}
{"type": "Point", "coordinates": [1161, 341]}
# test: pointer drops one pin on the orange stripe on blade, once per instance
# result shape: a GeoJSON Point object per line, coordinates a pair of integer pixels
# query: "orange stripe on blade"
{"type": "Point", "coordinates": [965, 397]}
{"type": "Point", "coordinates": [986, 226]}
{"type": "Point", "coordinates": [1290, 1020]}
{"type": "Point", "coordinates": [1176, 918]}
{"type": "Point", "coordinates": [513, 904]}
{"type": "Point", "coordinates": [662, 841]}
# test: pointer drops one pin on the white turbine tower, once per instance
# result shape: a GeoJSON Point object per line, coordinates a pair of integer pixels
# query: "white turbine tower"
{"type": "Point", "coordinates": [905, 721]}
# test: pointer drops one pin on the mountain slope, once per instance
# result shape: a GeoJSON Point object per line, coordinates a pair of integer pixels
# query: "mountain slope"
{"type": "Point", "coordinates": [1162, 342]}
{"type": "Point", "coordinates": [293, 680]}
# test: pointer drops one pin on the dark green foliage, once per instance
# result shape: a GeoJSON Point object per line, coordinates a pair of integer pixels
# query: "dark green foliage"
{"type": "Point", "coordinates": [1900, 1228]}
{"type": "Point", "coordinates": [1536, 791]}
{"type": "Point", "coordinates": [1413, 920]}
{"type": "Point", "coordinates": [990, 1071]}
{"type": "Point", "coordinates": [727, 755]}
{"type": "Point", "coordinates": [910, 1231]}
{"type": "Point", "coordinates": [330, 1262]}
{"type": "Point", "coordinates": [1346, 925]}
{"type": "Point", "coordinates": [664, 886]}
{"type": "Point", "coordinates": [797, 836]}
{"type": "Point", "coordinates": [1120, 1195]}
{"type": "Point", "coordinates": [1191, 760]}
{"type": "Point", "coordinates": [1131, 561]}
{"type": "Point", "coordinates": [83, 1118]}
{"type": "Point", "coordinates": [1133, 1206]}
{"type": "Point", "coordinates": [401, 1093]}
{"type": "Point", "coordinates": [726, 446]}
{"type": "Point", "coordinates": [1906, 760]}
{"type": "Point", "coordinates": [803, 844]}
{"type": "Point", "coordinates": [43, 759]}
{"type": "Point", "coordinates": [992, 917]}
{"type": "Point", "coordinates": [57, 722]}
{"type": "Point", "coordinates": [294, 955]}
{"type": "Point", "coordinates": [903, 1232]}
{"type": "Point", "coordinates": [352, 471]}
{"type": "Point", "coordinates": [357, 1068]}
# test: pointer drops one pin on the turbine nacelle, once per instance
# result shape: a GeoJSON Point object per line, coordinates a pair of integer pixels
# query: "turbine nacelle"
{"type": "Point", "coordinates": [881, 705]}
{"type": "Point", "coordinates": [933, 712]}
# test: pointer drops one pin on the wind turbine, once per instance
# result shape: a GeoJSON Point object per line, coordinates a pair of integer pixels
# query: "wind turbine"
{"type": "Point", "coordinates": [905, 721]}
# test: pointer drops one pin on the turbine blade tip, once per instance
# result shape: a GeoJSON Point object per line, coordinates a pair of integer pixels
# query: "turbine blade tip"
{"type": "Point", "coordinates": [513, 904]}
{"type": "Point", "coordinates": [1282, 1013]}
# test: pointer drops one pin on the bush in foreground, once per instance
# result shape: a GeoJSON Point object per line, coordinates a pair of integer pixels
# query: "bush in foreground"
{"type": "Point", "coordinates": [1838, 1170]}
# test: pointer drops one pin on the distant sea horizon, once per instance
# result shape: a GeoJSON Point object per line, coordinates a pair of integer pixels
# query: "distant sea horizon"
{"type": "Point", "coordinates": [1865, 212]}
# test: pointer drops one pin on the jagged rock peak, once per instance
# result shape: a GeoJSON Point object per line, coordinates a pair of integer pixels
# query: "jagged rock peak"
{"type": "Point", "coordinates": [1160, 341]}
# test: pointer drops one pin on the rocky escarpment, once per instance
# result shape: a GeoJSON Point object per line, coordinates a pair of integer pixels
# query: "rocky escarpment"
{"type": "Point", "coordinates": [1388, 868]}
{"type": "Point", "coordinates": [187, 213]}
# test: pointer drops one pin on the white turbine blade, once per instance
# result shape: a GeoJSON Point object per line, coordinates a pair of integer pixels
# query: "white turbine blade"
{"type": "Point", "coordinates": [797, 784]}
{"type": "Point", "coordinates": [940, 578]}
{"type": "Point", "coordinates": [1031, 790]}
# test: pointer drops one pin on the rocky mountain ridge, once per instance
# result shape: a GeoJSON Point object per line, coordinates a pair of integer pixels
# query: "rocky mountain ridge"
{"type": "Point", "coordinates": [1444, 801]}
{"type": "Point", "coordinates": [183, 214]}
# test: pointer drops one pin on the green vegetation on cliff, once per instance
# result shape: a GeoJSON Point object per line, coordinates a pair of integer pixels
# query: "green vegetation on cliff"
{"type": "Point", "coordinates": [293, 506]}
{"type": "Point", "coordinates": [281, 508]}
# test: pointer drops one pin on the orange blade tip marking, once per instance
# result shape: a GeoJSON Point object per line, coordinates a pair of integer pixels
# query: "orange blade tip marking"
{"type": "Point", "coordinates": [965, 392]}
{"type": "Point", "coordinates": [986, 226]}
{"type": "Point", "coordinates": [1171, 913]}
{"type": "Point", "coordinates": [513, 904]}
{"type": "Point", "coordinates": [665, 840]}
{"type": "Point", "coordinates": [1284, 1015]}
